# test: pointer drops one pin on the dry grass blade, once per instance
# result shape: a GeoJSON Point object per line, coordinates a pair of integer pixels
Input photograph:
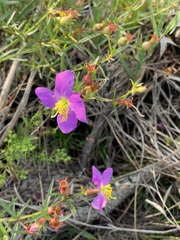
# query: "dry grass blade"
{"type": "Point", "coordinates": [21, 106]}
{"type": "Point", "coordinates": [7, 84]}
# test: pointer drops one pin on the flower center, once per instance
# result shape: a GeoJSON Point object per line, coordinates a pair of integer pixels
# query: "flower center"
{"type": "Point", "coordinates": [62, 107]}
{"type": "Point", "coordinates": [107, 190]}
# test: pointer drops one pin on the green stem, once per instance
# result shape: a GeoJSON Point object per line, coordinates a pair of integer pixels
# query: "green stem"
{"type": "Point", "coordinates": [19, 218]}
{"type": "Point", "coordinates": [110, 100]}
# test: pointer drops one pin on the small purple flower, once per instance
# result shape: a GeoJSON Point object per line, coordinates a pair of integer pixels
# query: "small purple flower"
{"type": "Point", "coordinates": [68, 106]}
{"type": "Point", "coordinates": [105, 189]}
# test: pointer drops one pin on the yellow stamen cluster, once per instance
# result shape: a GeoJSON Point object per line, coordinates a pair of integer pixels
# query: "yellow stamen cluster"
{"type": "Point", "coordinates": [107, 190]}
{"type": "Point", "coordinates": [62, 108]}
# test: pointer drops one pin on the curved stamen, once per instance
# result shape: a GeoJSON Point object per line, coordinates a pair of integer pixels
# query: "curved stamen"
{"type": "Point", "coordinates": [55, 114]}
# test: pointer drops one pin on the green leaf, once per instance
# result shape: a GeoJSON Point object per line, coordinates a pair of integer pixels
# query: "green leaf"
{"type": "Point", "coordinates": [7, 208]}
{"type": "Point", "coordinates": [9, 2]}
{"type": "Point", "coordinates": [3, 231]}
{"type": "Point", "coordinates": [49, 30]}
{"type": "Point", "coordinates": [23, 208]}
{"type": "Point", "coordinates": [48, 196]}
{"type": "Point", "coordinates": [153, 20]}
{"type": "Point", "coordinates": [5, 15]}
{"type": "Point", "coordinates": [87, 38]}
{"type": "Point", "coordinates": [126, 67]}
{"type": "Point", "coordinates": [71, 206]}
{"type": "Point", "coordinates": [26, 9]}
{"type": "Point", "coordinates": [173, 24]}
{"type": "Point", "coordinates": [87, 235]}
{"type": "Point", "coordinates": [64, 218]}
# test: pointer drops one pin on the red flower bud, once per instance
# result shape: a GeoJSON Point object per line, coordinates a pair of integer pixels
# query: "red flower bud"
{"type": "Point", "coordinates": [51, 210]}
{"type": "Point", "coordinates": [41, 221]}
{"type": "Point", "coordinates": [154, 38]}
{"type": "Point", "coordinates": [110, 28]}
{"type": "Point", "coordinates": [64, 187]}
{"type": "Point", "coordinates": [127, 102]}
{"type": "Point", "coordinates": [90, 191]}
{"type": "Point", "coordinates": [129, 37]}
{"type": "Point", "coordinates": [58, 210]}
{"type": "Point", "coordinates": [56, 224]}
{"type": "Point", "coordinates": [91, 68]}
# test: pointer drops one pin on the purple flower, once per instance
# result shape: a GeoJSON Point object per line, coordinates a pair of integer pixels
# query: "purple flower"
{"type": "Point", "coordinates": [105, 189]}
{"type": "Point", "coordinates": [67, 106]}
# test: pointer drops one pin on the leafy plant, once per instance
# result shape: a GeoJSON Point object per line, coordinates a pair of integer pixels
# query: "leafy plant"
{"type": "Point", "coordinates": [18, 148]}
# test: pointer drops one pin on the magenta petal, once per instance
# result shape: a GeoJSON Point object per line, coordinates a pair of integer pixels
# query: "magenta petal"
{"type": "Point", "coordinates": [106, 176]}
{"type": "Point", "coordinates": [96, 177]}
{"type": "Point", "coordinates": [64, 83]}
{"type": "Point", "coordinates": [77, 105]}
{"type": "Point", "coordinates": [99, 202]}
{"type": "Point", "coordinates": [69, 125]}
{"type": "Point", "coordinates": [46, 96]}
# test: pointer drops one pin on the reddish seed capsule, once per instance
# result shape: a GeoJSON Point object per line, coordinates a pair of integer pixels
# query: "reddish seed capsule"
{"type": "Point", "coordinates": [87, 80]}
{"type": "Point", "coordinates": [56, 224]}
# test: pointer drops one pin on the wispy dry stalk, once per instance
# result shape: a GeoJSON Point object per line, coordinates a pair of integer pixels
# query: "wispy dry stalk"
{"type": "Point", "coordinates": [21, 106]}
{"type": "Point", "coordinates": [7, 83]}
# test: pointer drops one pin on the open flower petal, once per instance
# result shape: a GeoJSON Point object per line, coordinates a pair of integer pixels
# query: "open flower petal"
{"type": "Point", "coordinates": [96, 178]}
{"type": "Point", "coordinates": [64, 83]}
{"type": "Point", "coordinates": [106, 176]}
{"type": "Point", "coordinates": [69, 125]}
{"type": "Point", "coordinates": [46, 96]}
{"type": "Point", "coordinates": [67, 105]}
{"type": "Point", "coordinates": [77, 105]}
{"type": "Point", "coordinates": [99, 202]}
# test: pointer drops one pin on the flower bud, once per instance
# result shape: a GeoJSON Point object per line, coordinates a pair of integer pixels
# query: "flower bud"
{"type": "Point", "coordinates": [146, 46]}
{"type": "Point", "coordinates": [98, 26]}
{"type": "Point", "coordinates": [137, 87]}
{"type": "Point", "coordinates": [64, 21]}
{"type": "Point", "coordinates": [122, 41]}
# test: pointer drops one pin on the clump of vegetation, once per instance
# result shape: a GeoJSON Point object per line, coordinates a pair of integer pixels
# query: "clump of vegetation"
{"type": "Point", "coordinates": [18, 148]}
